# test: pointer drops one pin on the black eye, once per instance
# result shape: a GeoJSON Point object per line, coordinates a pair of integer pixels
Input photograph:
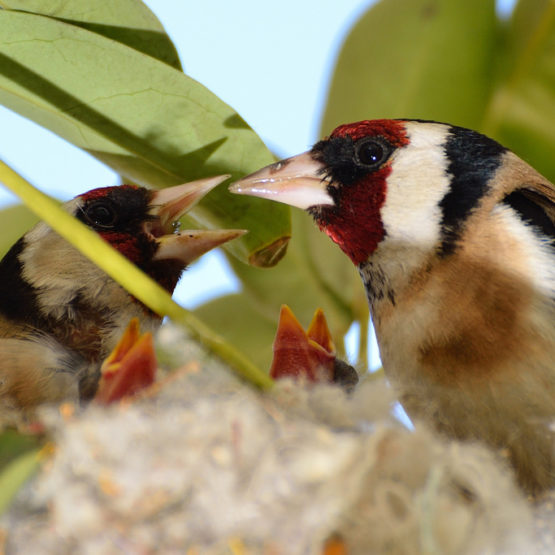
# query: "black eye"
{"type": "Point", "coordinates": [370, 152]}
{"type": "Point", "coordinates": [101, 213]}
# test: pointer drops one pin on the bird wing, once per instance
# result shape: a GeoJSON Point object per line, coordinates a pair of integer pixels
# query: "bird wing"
{"type": "Point", "coordinates": [33, 371]}
{"type": "Point", "coordinates": [533, 197]}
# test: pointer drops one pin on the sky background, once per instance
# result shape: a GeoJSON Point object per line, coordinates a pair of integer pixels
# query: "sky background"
{"type": "Point", "coordinates": [270, 61]}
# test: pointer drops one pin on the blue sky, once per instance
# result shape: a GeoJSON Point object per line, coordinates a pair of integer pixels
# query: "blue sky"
{"type": "Point", "coordinates": [270, 61]}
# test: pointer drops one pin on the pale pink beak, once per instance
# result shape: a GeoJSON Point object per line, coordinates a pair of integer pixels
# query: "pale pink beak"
{"type": "Point", "coordinates": [296, 181]}
{"type": "Point", "coordinates": [167, 206]}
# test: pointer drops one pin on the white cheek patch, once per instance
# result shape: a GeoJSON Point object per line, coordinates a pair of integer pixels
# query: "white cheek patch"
{"type": "Point", "coordinates": [56, 269]}
{"type": "Point", "coordinates": [411, 214]}
{"type": "Point", "coordinates": [534, 252]}
{"type": "Point", "coordinates": [47, 259]}
{"type": "Point", "coordinates": [37, 233]}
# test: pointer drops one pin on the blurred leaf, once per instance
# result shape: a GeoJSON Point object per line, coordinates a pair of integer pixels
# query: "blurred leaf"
{"type": "Point", "coordinates": [521, 114]}
{"type": "Point", "coordinates": [305, 280]}
{"type": "Point", "coordinates": [16, 220]}
{"type": "Point", "coordinates": [148, 121]}
{"type": "Point", "coordinates": [313, 274]}
{"type": "Point", "coordinates": [127, 21]}
{"type": "Point", "coordinates": [13, 444]}
{"type": "Point", "coordinates": [452, 61]}
{"type": "Point", "coordinates": [242, 325]}
{"type": "Point", "coordinates": [15, 474]}
{"type": "Point", "coordinates": [334, 270]}
{"type": "Point", "coordinates": [427, 59]}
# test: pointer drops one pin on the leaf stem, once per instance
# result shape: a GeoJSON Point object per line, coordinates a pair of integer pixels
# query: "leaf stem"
{"type": "Point", "coordinates": [131, 278]}
{"type": "Point", "coordinates": [363, 320]}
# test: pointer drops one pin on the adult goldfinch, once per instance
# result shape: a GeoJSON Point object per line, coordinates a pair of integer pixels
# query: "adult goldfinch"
{"type": "Point", "coordinates": [61, 316]}
{"type": "Point", "coordinates": [453, 236]}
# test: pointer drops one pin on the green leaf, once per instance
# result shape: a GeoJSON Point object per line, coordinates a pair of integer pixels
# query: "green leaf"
{"type": "Point", "coordinates": [242, 325]}
{"type": "Point", "coordinates": [15, 474]}
{"type": "Point", "coordinates": [521, 113]}
{"type": "Point", "coordinates": [335, 273]}
{"type": "Point", "coordinates": [16, 220]}
{"type": "Point", "coordinates": [149, 122]}
{"type": "Point", "coordinates": [127, 21]}
{"type": "Point", "coordinates": [313, 274]}
{"type": "Point", "coordinates": [419, 59]}
{"type": "Point", "coordinates": [13, 444]}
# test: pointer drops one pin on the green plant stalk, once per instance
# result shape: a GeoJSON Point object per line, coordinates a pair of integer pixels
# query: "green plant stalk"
{"type": "Point", "coordinates": [363, 321]}
{"type": "Point", "coordinates": [136, 282]}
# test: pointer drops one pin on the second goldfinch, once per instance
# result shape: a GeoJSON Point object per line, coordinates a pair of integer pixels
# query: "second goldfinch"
{"type": "Point", "coordinates": [453, 236]}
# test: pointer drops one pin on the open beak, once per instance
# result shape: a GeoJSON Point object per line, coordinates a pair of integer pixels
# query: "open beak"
{"type": "Point", "coordinates": [130, 367]}
{"type": "Point", "coordinates": [300, 354]}
{"type": "Point", "coordinates": [299, 181]}
{"type": "Point", "coordinates": [167, 206]}
{"type": "Point", "coordinates": [308, 355]}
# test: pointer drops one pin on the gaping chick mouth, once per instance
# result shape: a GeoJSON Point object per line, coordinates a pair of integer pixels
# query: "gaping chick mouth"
{"type": "Point", "coordinates": [167, 206]}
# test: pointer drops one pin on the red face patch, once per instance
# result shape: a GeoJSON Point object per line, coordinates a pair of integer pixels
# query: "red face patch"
{"type": "Point", "coordinates": [102, 192]}
{"type": "Point", "coordinates": [355, 224]}
{"type": "Point", "coordinates": [359, 186]}
{"type": "Point", "coordinates": [129, 245]}
{"type": "Point", "coordinates": [392, 131]}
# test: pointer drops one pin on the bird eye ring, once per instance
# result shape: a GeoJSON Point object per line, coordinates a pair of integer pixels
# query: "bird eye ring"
{"type": "Point", "coordinates": [101, 214]}
{"type": "Point", "coordinates": [371, 152]}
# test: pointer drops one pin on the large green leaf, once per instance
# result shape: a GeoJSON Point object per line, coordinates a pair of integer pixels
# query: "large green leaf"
{"type": "Point", "coordinates": [243, 326]}
{"type": "Point", "coordinates": [427, 59]}
{"type": "Point", "coordinates": [147, 120]}
{"type": "Point", "coordinates": [127, 21]}
{"type": "Point", "coordinates": [521, 113]}
{"type": "Point", "coordinates": [451, 60]}
{"type": "Point", "coordinates": [313, 274]}
{"type": "Point", "coordinates": [335, 274]}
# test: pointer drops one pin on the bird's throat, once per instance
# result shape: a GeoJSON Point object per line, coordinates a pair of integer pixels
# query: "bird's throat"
{"type": "Point", "coordinates": [355, 222]}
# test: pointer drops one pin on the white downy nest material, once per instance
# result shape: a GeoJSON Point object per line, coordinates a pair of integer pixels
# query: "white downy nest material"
{"type": "Point", "coordinates": [208, 465]}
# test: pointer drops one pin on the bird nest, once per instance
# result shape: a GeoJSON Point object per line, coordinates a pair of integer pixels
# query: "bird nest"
{"type": "Point", "coordinates": [203, 463]}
